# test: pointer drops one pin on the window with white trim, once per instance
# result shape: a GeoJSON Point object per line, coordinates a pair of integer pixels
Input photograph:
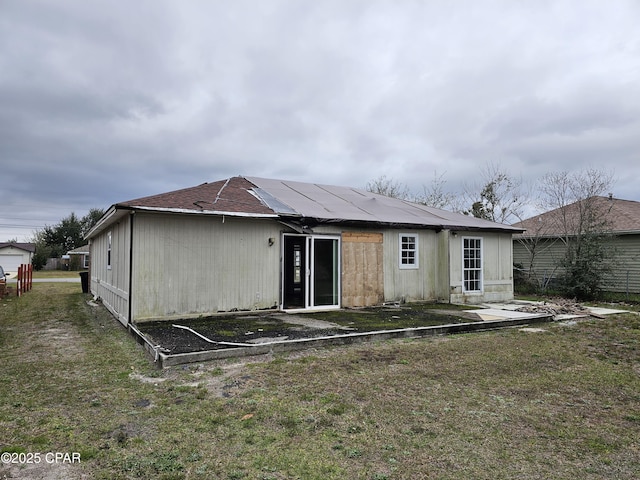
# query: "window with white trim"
{"type": "Point", "coordinates": [109, 251]}
{"type": "Point", "coordinates": [472, 264]}
{"type": "Point", "coordinates": [408, 250]}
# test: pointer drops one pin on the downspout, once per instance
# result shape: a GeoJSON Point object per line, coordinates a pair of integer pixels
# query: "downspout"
{"type": "Point", "coordinates": [130, 309]}
{"type": "Point", "coordinates": [130, 325]}
{"type": "Point", "coordinates": [449, 291]}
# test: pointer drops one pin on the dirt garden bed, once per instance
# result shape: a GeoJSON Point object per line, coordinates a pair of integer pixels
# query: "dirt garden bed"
{"type": "Point", "coordinates": [246, 329]}
{"type": "Point", "coordinates": [194, 340]}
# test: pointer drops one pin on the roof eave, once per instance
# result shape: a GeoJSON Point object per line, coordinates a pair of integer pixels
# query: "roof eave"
{"type": "Point", "coordinates": [406, 225]}
{"type": "Point", "coordinates": [190, 211]}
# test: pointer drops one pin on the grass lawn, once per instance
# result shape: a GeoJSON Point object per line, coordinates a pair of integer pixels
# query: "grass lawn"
{"type": "Point", "coordinates": [43, 274]}
{"type": "Point", "coordinates": [563, 403]}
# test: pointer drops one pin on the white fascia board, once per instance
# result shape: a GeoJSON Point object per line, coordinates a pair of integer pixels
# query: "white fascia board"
{"type": "Point", "coordinates": [104, 220]}
{"type": "Point", "coordinates": [204, 212]}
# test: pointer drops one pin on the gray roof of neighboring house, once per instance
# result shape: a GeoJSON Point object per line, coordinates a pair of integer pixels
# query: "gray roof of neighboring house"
{"type": "Point", "coordinates": [620, 216]}
{"type": "Point", "coordinates": [28, 247]}
{"type": "Point", "coordinates": [83, 250]}
{"type": "Point", "coordinates": [304, 202]}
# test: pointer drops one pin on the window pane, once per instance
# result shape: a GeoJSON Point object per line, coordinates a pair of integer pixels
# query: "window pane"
{"type": "Point", "coordinates": [326, 271]}
{"type": "Point", "coordinates": [408, 251]}
{"type": "Point", "coordinates": [472, 264]}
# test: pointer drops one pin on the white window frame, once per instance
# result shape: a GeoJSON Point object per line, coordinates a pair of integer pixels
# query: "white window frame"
{"type": "Point", "coordinates": [401, 249]}
{"type": "Point", "coordinates": [467, 267]}
{"type": "Point", "coordinates": [108, 250]}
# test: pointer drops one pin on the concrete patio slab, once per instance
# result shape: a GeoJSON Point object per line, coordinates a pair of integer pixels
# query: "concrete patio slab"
{"type": "Point", "coordinates": [499, 314]}
{"type": "Point", "coordinates": [496, 311]}
{"type": "Point", "coordinates": [605, 311]}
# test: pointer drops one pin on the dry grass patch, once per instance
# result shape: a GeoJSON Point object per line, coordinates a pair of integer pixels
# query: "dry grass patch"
{"type": "Point", "coordinates": [564, 403]}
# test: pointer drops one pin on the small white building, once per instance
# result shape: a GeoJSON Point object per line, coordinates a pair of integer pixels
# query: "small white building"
{"type": "Point", "coordinates": [13, 254]}
{"type": "Point", "coordinates": [249, 243]}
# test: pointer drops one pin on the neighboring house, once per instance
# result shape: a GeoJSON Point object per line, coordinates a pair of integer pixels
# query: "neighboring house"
{"type": "Point", "coordinates": [542, 247]}
{"type": "Point", "coordinates": [13, 254]}
{"type": "Point", "coordinates": [79, 258]}
{"type": "Point", "coordinates": [250, 243]}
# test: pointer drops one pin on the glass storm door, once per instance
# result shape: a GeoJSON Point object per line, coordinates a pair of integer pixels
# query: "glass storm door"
{"type": "Point", "coordinates": [311, 272]}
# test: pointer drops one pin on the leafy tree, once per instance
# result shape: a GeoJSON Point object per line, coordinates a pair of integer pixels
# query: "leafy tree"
{"type": "Point", "coordinates": [90, 219]}
{"type": "Point", "coordinates": [43, 251]}
{"type": "Point", "coordinates": [55, 241]}
{"type": "Point", "coordinates": [585, 264]}
{"type": "Point", "coordinates": [64, 236]}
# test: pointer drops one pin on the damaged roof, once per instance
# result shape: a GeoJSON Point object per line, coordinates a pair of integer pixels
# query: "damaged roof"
{"type": "Point", "coordinates": [305, 202]}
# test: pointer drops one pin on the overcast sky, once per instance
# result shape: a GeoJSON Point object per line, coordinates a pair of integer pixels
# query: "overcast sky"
{"type": "Point", "coordinates": [106, 101]}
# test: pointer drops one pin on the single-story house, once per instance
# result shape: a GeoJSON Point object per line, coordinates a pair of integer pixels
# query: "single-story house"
{"type": "Point", "coordinates": [79, 258]}
{"type": "Point", "coordinates": [248, 243]}
{"type": "Point", "coordinates": [13, 254]}
{"type": "Point", "coordinates": [541, 248]}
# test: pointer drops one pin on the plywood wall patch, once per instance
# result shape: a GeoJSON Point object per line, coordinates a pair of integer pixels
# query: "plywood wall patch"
{"type": "Point", "coordinates": [362, 237]}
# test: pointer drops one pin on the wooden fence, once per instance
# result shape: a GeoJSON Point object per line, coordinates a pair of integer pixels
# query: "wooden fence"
{"type": "Point", "coordinates": [25, 278]}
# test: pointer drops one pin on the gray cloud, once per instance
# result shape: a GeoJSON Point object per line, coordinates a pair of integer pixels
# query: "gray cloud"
{"type": "Point", "coordinates": [103, 101]}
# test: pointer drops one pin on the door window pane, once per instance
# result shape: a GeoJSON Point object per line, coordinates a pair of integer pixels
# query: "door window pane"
{"type": "Point", "coordinates": [325, 272]}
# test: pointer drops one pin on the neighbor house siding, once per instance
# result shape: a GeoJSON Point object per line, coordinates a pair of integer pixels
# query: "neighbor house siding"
{"type": "Point", "coordinates": [540, 260]}
{"type": "Point", "coordinates": [549, 253]}
{"type": "Point", "coordinates": [626, 272]}
{"type": "Point", "coordinates": [497, 268]}
{"type": "Point", "coordinates": [111, 282]}
{"type": "Point", "coordinates": [12, 257]}
{"type": "Point", "coordinates": [198, 265]}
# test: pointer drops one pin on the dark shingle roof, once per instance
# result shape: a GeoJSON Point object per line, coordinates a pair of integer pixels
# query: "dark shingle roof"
{"type": "Point", "coordinates": [231, 195]}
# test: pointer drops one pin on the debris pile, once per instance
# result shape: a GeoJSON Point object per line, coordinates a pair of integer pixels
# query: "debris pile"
{"type": "Point", "coordinates": [557, 306]}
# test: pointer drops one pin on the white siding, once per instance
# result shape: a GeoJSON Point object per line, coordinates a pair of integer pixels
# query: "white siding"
{"type": "Point", "coordinates": [12, 257]}
{"type": "Point", "coordinates": [497, 265]}
{"type": "Point", "coordinates": [430, 281]}
{"type": "Point", "coordinates": [112, 284]}
{"type": "Point", "coordinates": [424, 282]}
{"type": "Point", "coordinates": [191, 265]}
{"type": "Point", "coordinates": [10, 262]}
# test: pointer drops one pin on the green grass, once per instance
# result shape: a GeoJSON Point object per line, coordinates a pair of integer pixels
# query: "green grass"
{"type": "Point", "coordinates": [55, 274]}
{"type": "Point", "coordinates": [562, 404]}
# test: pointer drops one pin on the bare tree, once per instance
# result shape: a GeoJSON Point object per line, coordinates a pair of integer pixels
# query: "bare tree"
{"type": "Point", "coordinates": [435, 195]}
{"type": "Point", "coordinates": [578, 218]}
{"type": "Point", "coordinates": [390, 188]}
{"type": "Point", "coordinates": [581, 190]}
{"type": "Point", "coordinates": [500, 198]}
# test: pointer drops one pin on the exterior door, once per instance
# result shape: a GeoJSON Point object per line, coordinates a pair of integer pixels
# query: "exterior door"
{"type": "Point", "coordinates": [311, 272]}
